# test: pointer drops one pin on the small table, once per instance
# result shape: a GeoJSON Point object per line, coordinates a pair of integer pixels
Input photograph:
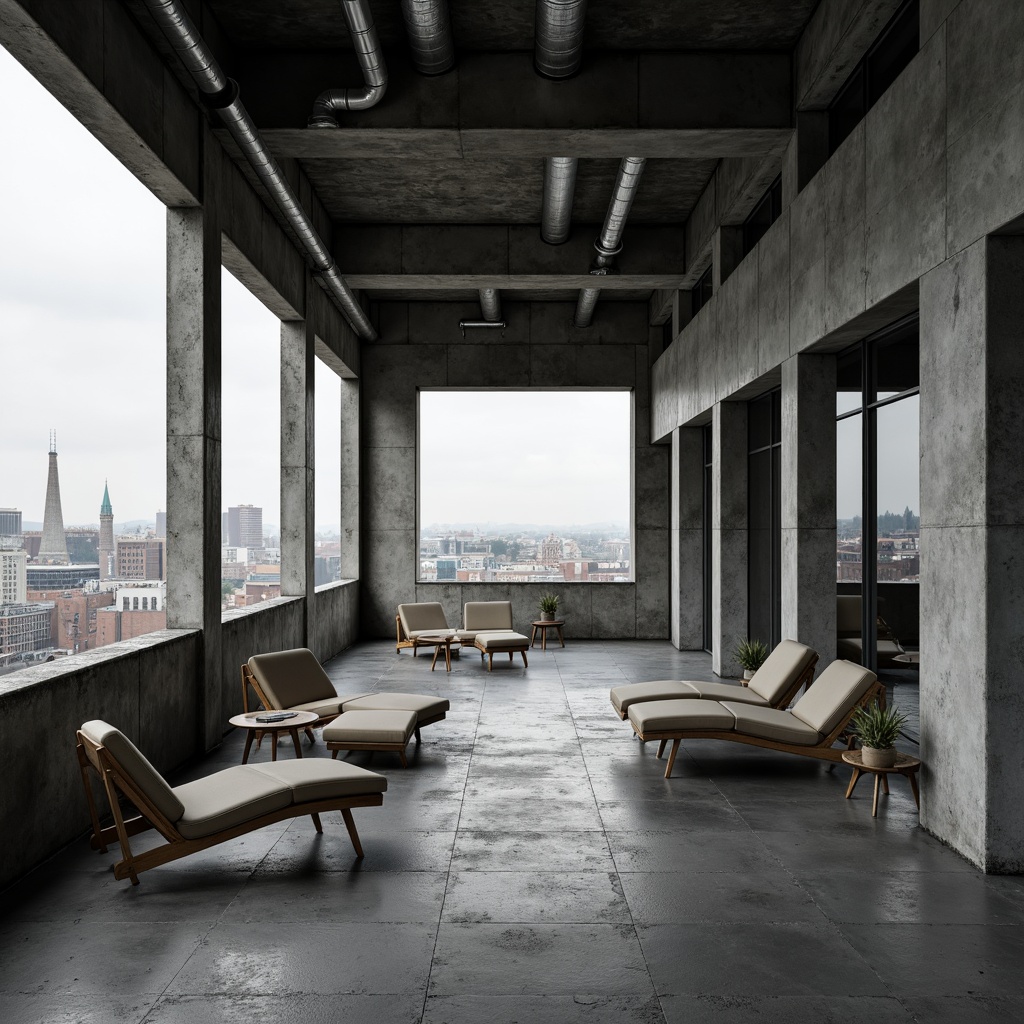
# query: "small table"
{"type": "Point", "coordinates": [441, 642]}
{"type": "Point", "coordinates": [906, 764]}
{"type": "Point", "coordinates": [908, 658]}
{"type": "Point", "coordinates": [544, 625]}
{"type": "Point", "coordinates": [248, 722]}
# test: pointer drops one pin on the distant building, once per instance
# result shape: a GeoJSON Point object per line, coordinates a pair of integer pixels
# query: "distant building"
{"type": "Point", "coordinates": [73, 621]}
{"type": "Point", "coordinates": [135, 612]}
{"type": "Point", "coordinates": [245, 526]}
{"type": "Point", "coordinates": [10, 528]}
{"type": "Point", "coordinates": [551, 550]}
{"type": "Point", "coordinates": [447, 569]}
{"type": "Point", "coordinates": [140, 559]}
{"type": "Point", "coordinates": [60, 577]}
{"type": "Point", "coordinates": [53, 548]}
{"type": "Point", "coordinates": [106, 538]}
{"type": "Point", "coordinates": [161, 524]}
{"type": "Point", "coordinates": [13, 578]}
{"type": "Point", "coordinates": [24, 628]}
{"type": "Point", "coordinates": [83, 545]}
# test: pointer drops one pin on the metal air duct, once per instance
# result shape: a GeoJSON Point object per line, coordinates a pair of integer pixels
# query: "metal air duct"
{"type": "Point", "coordinates": [221, 94]}
{"type": "Point", "coordinates": [490, 303]}
{"type": "Point", "coordinates": [559, 186]}
{"type": "Point", "coordinates": [558, 37]}
{"type": "Point", "coordinates": [609, 245]}
{"type": "Point", "coordinates": [371, 61]}
{"type": "Point", "coordinates": [430, 35]}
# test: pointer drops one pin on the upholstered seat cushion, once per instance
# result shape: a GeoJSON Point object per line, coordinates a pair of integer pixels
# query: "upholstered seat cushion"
{"type": "Point", "coordinates": [501, 640]}
{"type": "Point", "coordinates": [229, 798]}
{"type": "Point", "coordinates": [728, 691]}
{"type": "Point", "coordinates": [780, 670]}
{"type": "Point", "coordinates": [657, 689]}
{"type": "Point", "coordinates": [293, 678]}
{"type": "Point", "coordinates": [832, 696]}
{"type": "Point", "coordinates": [422, 705]}
{"type": "Point", "coordinates": [388, 726]}
{"type": "Point", "coordinates": [686, 713]}
{"type": "Point", "coordinates": [317, 778]}
{"type": "Point", "coordinates": [771, 724]}
{"type": "Point", "coordinates": [323, 708]}
{"type": "Point", "coordinates": [423, 616]}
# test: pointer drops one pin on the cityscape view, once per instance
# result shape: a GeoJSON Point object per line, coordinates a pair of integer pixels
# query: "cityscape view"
{"type": "Point", "coordinates": [898, 548]}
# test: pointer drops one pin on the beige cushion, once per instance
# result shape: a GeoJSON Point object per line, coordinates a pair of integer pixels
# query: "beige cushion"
{"type": "Point", "coordinates": [426, 615]}
{"type": "Point", "coordinates": [728, 691]}
{"type": "Point", "coordinates": [832, 696]}
{"type": "Point", "coordinates": [680, 715]}
{"type": "Point", "coordinates": [771, 724]}
{"type": "Point", "coordinates": [422, 705]}
{"type": "Point", "coordinates": [487, 615]}
{"type": "Point", "coordinates": [780, 670]}
{"type": "Point", "coordinates": [136, 767]}
{"type": "Point", "coordinates": [848, 615]}
{"type": "Point", "coordinates": [323, 708]}
{"type": "Point", "coordinates": [291, 678]}
{"type": "Point", "coordinates": [319, 778]}
{"type": "Point", "coordinates": [658, 689]}
{"type": "Point", "coordinates": [229, 798]}
{"type": "Point", "coordinates": [501, 640]}
{"type": "Point", "coordinates": [371, 727]}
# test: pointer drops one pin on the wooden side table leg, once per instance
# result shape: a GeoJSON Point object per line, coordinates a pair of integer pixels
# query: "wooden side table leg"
{"type": "Point", "coordinates": [912, 775]}
{"type": "Point", "coordinates": [561, 639]}
{"type": "Point", "coordinates": [874, 802]}
{"type": "Point", "coordinates": [437, 651]}
{"type": "Point", "coordinates": [853, 782]}
{"type": "Point", "coordinates": [273, 745]}
{"type": "Point", "coordinates": [248, 745]}
{"type": "Point", "coordinates": [543, 638]}
{"type": "Point", "coordinates": [533, 636]}
{"type": "Point", "coordinates": [295, 740]}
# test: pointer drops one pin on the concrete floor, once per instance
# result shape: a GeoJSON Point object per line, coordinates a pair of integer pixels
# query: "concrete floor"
{"type": "Point", "coordinates": [533, 865]}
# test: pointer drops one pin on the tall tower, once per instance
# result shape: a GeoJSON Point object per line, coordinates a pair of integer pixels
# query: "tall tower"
{"type": "Point", "coordinates": [53, 547]}
{"type": "Point", "coordinates": [106, 536]}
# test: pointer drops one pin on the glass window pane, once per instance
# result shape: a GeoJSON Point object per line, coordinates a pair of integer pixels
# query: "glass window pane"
{"type": "Point", "coordinates": [896, 363]}
{"type": "Point", "coordinates": [847, 110]}
{"type": "Point", "coordinates": [327, 455]}
{"type": "Point", "coordinates": [849, 383]}
{"type": "Point", "coordinates": [759, 423]}
{"type": "Point", "coordinates": [849, 488]}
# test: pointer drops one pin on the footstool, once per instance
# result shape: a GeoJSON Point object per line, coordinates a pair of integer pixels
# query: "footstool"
{"type": "Point", "coordinates": [496, 641]}
{"type": "Point", "coordinates": [371, 730]}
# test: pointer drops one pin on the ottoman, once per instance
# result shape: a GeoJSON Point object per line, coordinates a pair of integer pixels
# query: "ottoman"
{"type": "Point", "coordinates": [371, 730]}
{"type": "Point", "coordinates": [494, 641]}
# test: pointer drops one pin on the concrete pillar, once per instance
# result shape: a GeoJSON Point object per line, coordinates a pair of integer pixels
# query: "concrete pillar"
{"type": "Point", "coordinates": [728, 534]}
{"type": "Point", "coordinates": [726, 253]}
{"type": "Point", "coordinates": [972, 549]}
{"type": "Point", "coordinates": [350, 551]}
{"type": "Point", "coordinates": [808, 486]}
{"type": "Point", "coordinates": [194, 446]}
{"type": "Point", "coordinates": [687, 539]}
{"type": "Point", "coordinates": [297, 438]}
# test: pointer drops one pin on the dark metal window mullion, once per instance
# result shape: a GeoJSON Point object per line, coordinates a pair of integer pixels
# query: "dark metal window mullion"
{"type": "Point", "coordinates": [869, 521]}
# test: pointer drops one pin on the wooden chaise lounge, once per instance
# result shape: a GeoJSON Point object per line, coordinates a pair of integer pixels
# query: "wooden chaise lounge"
{"type": "Point", "coordinates": [817, 720]}
{"type": "Point", "coordinates": [222, 806]}
{"type": "Point", "coordinates": [295, 681]}
{"type": "Point", "coordinates": [773, 685]}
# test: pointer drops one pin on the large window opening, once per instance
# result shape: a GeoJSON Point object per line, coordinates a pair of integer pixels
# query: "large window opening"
{"type": "Point", "coordinates": [82, 419]}
{"type": "Point", "coordinates": [878, 502]}
{"type": "Point", "coordinates": [764, 518]}
{"type": "Point", "coordinates": [251, 447]}
{"type": "Point", "coordinates": [327, 475]}
{"type": "Point", "coordinates": [525, 486]}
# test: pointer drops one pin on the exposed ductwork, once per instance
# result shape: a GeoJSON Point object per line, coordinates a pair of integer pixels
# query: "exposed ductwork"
{"type": "Point", "coordinates": [490, 303]}
{"type": "Point", "coordinates": [430, 35]}
{"type": "Point", "coordinates": [558, 37]}
{"type": "Point", "coordinates": [609, 245]}
{"type": "Point", "coordinates": [559, 186]}
{"type": "Point", "coordinates": [371, 61]}
{"type": "Point", "coordinates": [221, 94]}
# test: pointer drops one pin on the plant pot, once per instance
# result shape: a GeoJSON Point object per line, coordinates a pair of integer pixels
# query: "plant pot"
{"type": "Point", "coordinates": [878, 757]}
{"type": "Point", "coordinates": [748, 674]}
{"type": "Point", "coordinates": [547, 616]}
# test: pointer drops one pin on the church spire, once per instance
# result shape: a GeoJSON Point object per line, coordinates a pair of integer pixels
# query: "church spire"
{"type": "Point", "coordinates": [105, 508]}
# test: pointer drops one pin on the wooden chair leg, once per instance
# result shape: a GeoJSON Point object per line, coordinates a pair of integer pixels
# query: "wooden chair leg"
{"type": "Point", "coordinates": [127, 860]}
{"type": "Point", "coordinates": [853, 782]}
{"type": "Point", "coordinates": [672, 757]}
{"type": "Point", "coordinates": [311, 735]}
{"type": "Point", "coordinates": [417, 735]}
{"type": "Point", "coordinates": [97, 832]}
{"type": "Point", "coordinates": [913, 787]}
{"type": "Point", "coordinates": [295, 742]}
{"type": "Point", "coordinates": [661, 748]}
{"type": "Point", "coordinates": [248, 746]}
{"type": "Point", "coordinates": [511, 655]}
{"type": "Point", "coordinates": [316, 822]}
{"type": "Point", "coordinates": [352, 833]}
{"type": "Point", "coordinates": [334, 754]}
{"type": "Point", "coordinates": [402, 758]}
{"type": "Point", "coordinates": [490, 660]}
{"type": "Point", "coordinates": [526, 664]}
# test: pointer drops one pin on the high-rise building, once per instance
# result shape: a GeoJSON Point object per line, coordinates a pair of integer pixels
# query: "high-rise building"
{"type": "Point", "coordinates": [24, 628]}
{"type": "Point", "coordinates": [10, 528]}
{"type": "Point", "coordinates": [161, 524]}
{"type": "Point", "coordinates": [54, 548]}
{"type": "Point", "coordinates": [245, 526]}
{"type": "Point", "coordinates": [12, 577]}
{"type": "Point", "coordinates": [140, 559]}
{"type": "Point", "coordinates": [106, 547]}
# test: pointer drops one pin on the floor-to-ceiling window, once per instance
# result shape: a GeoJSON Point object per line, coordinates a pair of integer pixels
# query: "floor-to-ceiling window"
{"type": "Point", "coordinates": [764, 514]}
{"type": "Point", "coordinates": [707, 436]}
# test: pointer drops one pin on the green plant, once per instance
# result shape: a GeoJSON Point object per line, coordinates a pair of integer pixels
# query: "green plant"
{"type": "Point", "coordinates": [549, 603]}
{"type": "Point", "coordinates": [751, 654]}
{"type": "Point", "coordinates": [876, 726]}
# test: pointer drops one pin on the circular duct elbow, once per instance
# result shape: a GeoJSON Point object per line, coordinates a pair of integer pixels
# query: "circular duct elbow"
{"type": "Point", "coordinates": [558, 35]}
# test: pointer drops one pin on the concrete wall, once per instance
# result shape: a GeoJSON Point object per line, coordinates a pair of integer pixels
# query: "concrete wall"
{"type": "Point", "coordinates": [336, 618]}
{"type": "Point", "coordinates": [421, 346]}
{"type": "Point", "coordinates": [148, 687]}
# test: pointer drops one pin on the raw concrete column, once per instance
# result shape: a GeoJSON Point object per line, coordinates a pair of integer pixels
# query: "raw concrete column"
{"type": "Point", "coordinates": [194, 446]}
{"type": "Point", "coordinates": [297, 495]}
{"type": "Point", "coordinates": [972, 549]}
{"type": "Point", "coordinates": [808, 485]}
{"type": "Point", "coordinates": [728, 534]}
{"type": "Point", "coordinates": [350, 561]}
{"type": "Point", "coordinates": [687, 539]}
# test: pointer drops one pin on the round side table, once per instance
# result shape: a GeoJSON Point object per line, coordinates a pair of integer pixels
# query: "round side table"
{"type": "Point", "coordinates": [905, 764]}
{"type": "Point", "coordinates": [544, 625]}
{"type": "Point", "coordinates": [441, 642]}
{"type": "Point", "coordinates": [249, 723]}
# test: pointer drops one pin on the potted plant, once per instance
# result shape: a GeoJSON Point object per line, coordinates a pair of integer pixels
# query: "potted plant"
{"type": "Point", "coordinates": [751, 655]}
{"type": "Point", "coordinates": [877, 729]}
{"type": "Point", "coordinates": [548, 607]}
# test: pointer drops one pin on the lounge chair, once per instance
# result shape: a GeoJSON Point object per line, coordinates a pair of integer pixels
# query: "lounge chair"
{"type": "Point", "coordinates": [850, 644]}
{"type": "Point", "coordinates": [426, 618]}
{"type": "Point", "coordinates": [295, 681]}
{"type": "Point", "coordinates": [773, 685]}
{"type": "Point", "coordinates": [490, 625]}
{"type": "Point", "coordinates": [209, 811]}
{"type": "Point", "coordinates": [810, 729]}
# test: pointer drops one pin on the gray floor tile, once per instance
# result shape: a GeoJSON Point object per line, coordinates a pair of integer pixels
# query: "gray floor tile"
{"type": "Point", "coordinates": [531, 851]}
{"type": "Point", "coordinates": [703, 850]}
{"type": "Point", "coordinates": [790, 1009]}
{"type": "Point", "coordinates": [384, 849]}
{"type": "Point", "coordinates": [95, 1008]}
{"type": "Point", "coordinates": [578, 1008]}
{"type": "Point", "coordinates": [290, 1009]}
